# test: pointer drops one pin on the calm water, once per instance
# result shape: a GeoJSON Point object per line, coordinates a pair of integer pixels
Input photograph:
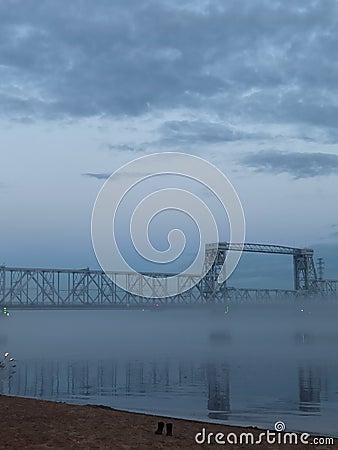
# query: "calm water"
{"type": "Point", "coordinates": [251, 366]}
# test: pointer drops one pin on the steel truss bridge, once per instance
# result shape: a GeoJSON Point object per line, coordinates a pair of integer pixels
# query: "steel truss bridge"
{"type": "Point", "coordinates": [39, 288]}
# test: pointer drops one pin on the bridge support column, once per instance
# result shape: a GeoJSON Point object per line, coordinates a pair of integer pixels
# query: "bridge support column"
{"type": "Point", "coordinates": [211, 288]}
{"type": "Point", "coordinates": [305, 277]}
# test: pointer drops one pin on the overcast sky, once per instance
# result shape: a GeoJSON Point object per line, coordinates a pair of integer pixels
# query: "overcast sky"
{"type": "Point", "coordinates": [250, 85]}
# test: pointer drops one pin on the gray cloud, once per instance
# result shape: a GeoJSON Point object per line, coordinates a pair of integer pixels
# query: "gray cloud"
{"type": "Point", "coordinates": [196, 131]}
{"type": "Point", "coordinates": [297, 164]}
{"type": "Point", "coordinates": [334, 230]}
{"type": "Point", "coordinates": [98, 176]}
{"type": "Point", "coordinates": [124, 173]}
{"type": "Point", "coordinates": [259, 60]}
{"type": "Point", "coordinates": [124, 148]}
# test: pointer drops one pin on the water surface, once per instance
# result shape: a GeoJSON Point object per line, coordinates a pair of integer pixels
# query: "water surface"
{"type": "Point", "coordinates": [253, 366]}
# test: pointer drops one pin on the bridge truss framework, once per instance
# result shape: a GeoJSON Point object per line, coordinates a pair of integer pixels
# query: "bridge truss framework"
{"type": "Point", "coordinates": [63, 288]}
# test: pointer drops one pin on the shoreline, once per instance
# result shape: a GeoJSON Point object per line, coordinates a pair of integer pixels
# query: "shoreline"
{"type": "Point", "coordinates": [33, 424]}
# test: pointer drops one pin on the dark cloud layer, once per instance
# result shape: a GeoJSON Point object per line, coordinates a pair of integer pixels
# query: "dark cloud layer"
{"type": "Point", "coordinates": [263, 61]}
{"type": "Point", "coordinates": [297, 164]}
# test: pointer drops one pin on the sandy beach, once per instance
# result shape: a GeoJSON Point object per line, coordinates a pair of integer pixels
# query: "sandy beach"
{"type": "Point", "coordinates": [36, 424]}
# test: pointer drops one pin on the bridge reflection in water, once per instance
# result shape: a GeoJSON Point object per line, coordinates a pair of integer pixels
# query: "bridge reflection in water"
{"type": "Point", "coordinates": [106, 382]}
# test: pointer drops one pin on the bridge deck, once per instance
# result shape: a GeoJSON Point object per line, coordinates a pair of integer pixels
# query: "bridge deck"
{"type": "Point", "coordinates": [259, 248]}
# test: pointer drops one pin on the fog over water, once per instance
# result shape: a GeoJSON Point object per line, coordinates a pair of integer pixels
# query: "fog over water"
{"type": "Point", "coordinates": [249, 364]}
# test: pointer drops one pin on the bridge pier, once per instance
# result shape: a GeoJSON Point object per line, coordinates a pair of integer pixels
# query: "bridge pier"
{"type": "Point", "coordinates": [212, 290]}
{"type": "Point", "coordinates": [305, 276]}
